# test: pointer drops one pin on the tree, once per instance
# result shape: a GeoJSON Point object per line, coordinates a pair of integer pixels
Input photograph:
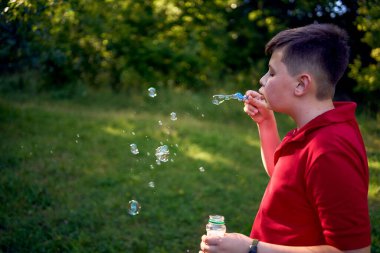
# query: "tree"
{"type": "Point", "coordinates": [365, 70]}
{"type": "Point", "coordinates": [126, 44]}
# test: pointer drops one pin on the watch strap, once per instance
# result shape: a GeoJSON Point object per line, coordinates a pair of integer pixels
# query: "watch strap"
{"type": "Point", "coordinates": [253, 246]}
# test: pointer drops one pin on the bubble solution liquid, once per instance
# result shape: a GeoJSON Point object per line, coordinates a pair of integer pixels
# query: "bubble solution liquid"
{"type": "Point", "coordinates": [216, 226]}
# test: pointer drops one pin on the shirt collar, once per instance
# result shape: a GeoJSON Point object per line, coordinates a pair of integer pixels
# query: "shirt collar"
{"type": "Point", "coordinates": [342, 112]}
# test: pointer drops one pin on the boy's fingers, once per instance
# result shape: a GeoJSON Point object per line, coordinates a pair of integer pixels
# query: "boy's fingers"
{"type": "Point", "coordinates": [256, 102]}
{"type": "Point", "coordinates": [212, 240]}
{"type": "Point", "coordinates": [254, 94]}
{"type": "Point", "coordinates": [250, 109]}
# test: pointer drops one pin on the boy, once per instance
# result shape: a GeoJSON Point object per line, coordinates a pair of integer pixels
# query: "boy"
{"type": "Point", "coordinates": [316, 199]}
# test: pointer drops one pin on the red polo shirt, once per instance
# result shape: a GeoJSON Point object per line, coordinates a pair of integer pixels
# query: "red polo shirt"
{"type": "Point", "coordinates": [318, 191]}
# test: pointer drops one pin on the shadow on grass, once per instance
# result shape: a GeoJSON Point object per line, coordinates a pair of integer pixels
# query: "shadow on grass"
{"type": "Point", "coordinates": [68, 173]}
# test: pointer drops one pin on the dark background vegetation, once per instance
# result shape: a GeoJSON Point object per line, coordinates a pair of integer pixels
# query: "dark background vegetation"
{"type": "Point", "coordinates": [128, 45]}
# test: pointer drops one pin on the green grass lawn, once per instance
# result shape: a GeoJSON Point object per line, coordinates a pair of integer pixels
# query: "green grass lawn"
{"type": "Point", "coordinates": [67, 172]}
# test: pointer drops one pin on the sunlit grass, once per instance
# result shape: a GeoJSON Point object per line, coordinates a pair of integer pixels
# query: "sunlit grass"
{"type": "Point", "coordinates": [67, 173]}
{"type": "Point", "coordinates": [374, 165]}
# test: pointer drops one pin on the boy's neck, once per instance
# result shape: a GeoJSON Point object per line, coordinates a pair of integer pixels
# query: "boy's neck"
{"type": "Point", "coordinates": [306, 112]}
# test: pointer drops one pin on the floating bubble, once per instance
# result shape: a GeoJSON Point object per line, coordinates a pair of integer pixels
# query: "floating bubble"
{"type": "Point", "coordinates": [173, 116]}
{"type": "Point", "coordinates": [134, 207]}
{"type": "Point", "coordinates": [134, 149]}
{"type": "Point", "coordinates": [162, 153]}
{"type": "Point", "coordinates": [151, 184]}
{"type": "Point", "coordinates": [152, 92]}
{"type": "Point", "coordinates": [158, 162]}
{"type": "Point", "coordinates": [217, 99]}
{"type": "Point", "coordinates": [201, 169]}
{"type": "Point", "coordinates": [151, 166]}
{"type": "Point", "coordinates": [133, 133]}
{"type": "Point", "coordinates": [160, 122]}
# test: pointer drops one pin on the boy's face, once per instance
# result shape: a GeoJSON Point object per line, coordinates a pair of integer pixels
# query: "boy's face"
{"type": "Point", "coordinates": [277, 85]}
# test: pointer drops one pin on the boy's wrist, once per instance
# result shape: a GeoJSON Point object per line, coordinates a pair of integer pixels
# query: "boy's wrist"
{"type": "Point", "coordinates": [253, 246]}
{"type": "Point", "coordinates": [269, 123]}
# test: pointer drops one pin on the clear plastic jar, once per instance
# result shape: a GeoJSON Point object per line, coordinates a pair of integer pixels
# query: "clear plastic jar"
{"type": "Point", "coordinates": [216, 226]}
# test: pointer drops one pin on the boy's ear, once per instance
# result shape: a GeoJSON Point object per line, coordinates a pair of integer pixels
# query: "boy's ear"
{"type": "Point", "coordinates": [303, 86]}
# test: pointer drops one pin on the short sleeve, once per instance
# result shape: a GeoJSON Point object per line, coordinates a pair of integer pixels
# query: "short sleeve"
{"type": "Point", "coordinates": [337, 187]}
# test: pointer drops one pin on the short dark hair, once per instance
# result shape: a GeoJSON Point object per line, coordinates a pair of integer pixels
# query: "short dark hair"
{"type": "Point", "coordinates": [321, 49]}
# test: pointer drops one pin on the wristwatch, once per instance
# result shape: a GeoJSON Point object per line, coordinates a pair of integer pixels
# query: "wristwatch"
{"type": "Point", "coordinates": [253, 246]}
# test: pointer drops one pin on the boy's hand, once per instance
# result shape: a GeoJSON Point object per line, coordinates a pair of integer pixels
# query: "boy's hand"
{"type": "Point", "coordinates": [229, 243]}
{"type": "Point", "coordinates": [256, 107]}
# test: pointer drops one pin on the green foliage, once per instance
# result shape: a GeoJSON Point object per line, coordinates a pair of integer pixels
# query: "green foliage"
{"type": "Point", "coordinates": [367, 72]}
{"type": "Point", "coordinates": [120, 43]}
{"type": "Point", "coordinates": [127, 45]}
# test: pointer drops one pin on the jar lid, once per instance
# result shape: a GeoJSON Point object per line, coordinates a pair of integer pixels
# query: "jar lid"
{"type": "Point", "coordinates": [216, 219]}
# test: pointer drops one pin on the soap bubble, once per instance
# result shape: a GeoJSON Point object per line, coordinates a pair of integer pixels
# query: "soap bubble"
{"type": "Point", "coordinates": [134, 207]}
{"type": "Point", "coordinates": [160, 123]}
{"type": "Point", "coordinates": [152, 92]}
{"type": "Point", "coordinates": [151, 184]}
{"type": "Point", "coordinates": [162, 153]}
{"type": "Point", "coordinates": [218, 99]}
{"type": "Point", "coordinates": [134, 149]}
{"type": "Point", "coordinates": [173, 116]}
{"type": "Point", "coordinates": [201, 169]}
